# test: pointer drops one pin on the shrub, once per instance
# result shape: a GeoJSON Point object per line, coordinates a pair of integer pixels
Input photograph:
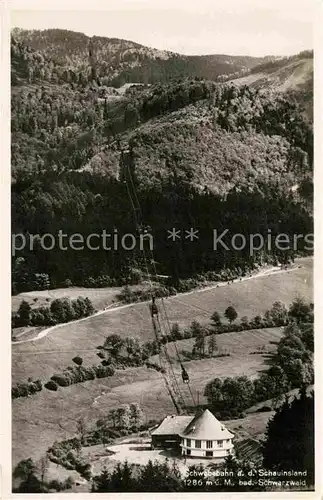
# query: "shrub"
{"type": "Point", "coordinates": [84, 469]}
{"type": "Point", "coordinates": [244, 322]}
{"type": "Point", "coordinates": [127, 295]}
{"type": "Point", "coordinates": [176, 332]}
{"type": "Point", "coordinates": [38, 384]}
{"type": "Point", "coordinates": [41, 281]}
{"type": "Point", "coordinates": [90, 373]}
{"type": "Point", "coordinates": [61, 379]}
{"type": "Point", "coordinates": [26, 389]}
{"type": "Point", "coordinates": [187, 334]}
{"type": "Point", "coordinates": [62, 453]}
{"type": "Point", "coordinates": [156, 367]}
{"type": "Point", "coordinates": [71, 457]}
{"type": "Point", "coordinates": [78, 360]}
{"type": "Point", "coordinates": [230, 394]}
{"type": "Point", "coordinates": [100, 371]}
{"type": "Point", "coordinates": [51, 385]}
{"type": "Point", "coordinates": [60, 311]}
{"type": "Point", "coordinates": [55, 485]}
{"type": "Point", "coordinates": [264, 409]}
{"type": "Point", "coordinates": [68, 483]}
{"type": "Point", "coordinates": [109, 371]}
{"type": "Point", "coordinates": [216, 318]}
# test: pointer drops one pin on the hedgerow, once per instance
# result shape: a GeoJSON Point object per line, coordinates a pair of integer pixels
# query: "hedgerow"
{"type": "Point", "coordinates": [22, 390]}
{"type": "Point", "coordinates": [75, 375]}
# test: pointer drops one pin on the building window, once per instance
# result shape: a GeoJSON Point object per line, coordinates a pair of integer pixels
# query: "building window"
{"type": "Point", "coordinates": [209, 453]}
{"type": "Point", "coordinates": [188, 452]}
{"type": "Point", "coordinates": [209, 444]}
{"type": "Point", "coordinates": [197, 443]}
{"type": "Point", "coordinates": [188, 443]}
{"type": "Point", "coordinates": [220, 444]}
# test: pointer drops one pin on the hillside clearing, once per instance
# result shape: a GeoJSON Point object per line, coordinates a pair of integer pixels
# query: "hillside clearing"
{"type": "Point", "coordinates": [48, 416]}
{"type": "Point", "coordinates": [100, 297]}
{"type": "Point", "coordinates": [40, 359]}
{"type": "Point", "coordinates": [293, 75]}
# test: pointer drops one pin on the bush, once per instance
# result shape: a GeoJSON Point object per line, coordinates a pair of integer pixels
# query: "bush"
{"type": "Point", "coordinates": [61, 379]}
{"type": "Point", "coordinates": [42, 317]}
{"type": "Point", "coordinates": [56, 485]}
{"type": "Point", "coordinates": [264, 409]}
{"type": "Point", "coordinates": [98, 282]}
{"type": "Point", "coordinates": [60, 311]}
{"type": "Point", "coordinates": [69, 483]}
{"type": "Point", "coordinates": [26, 389]}
{"type": "Point", "coordinates": [156, 367]}
{"type": "Point", "coordinates": [233, 395]}
{"type": "Point", "coordinates": [51, 385]}
{"type": "Point", "coordinates": [100, 371]}
{"type": "Point", "coordinates": [62, 454]}
{"type": "Point", "coordinates": [77, 360]}
{"type": "Point", "coordinates": [84, 469]}
{"type": "Point", "coordinates": [128, 296]}
{"type": "Point", "coordinates": [74, 375]}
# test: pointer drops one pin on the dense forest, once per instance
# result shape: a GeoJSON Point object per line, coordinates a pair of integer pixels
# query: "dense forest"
{"type": "Point", "coordinates": [56, 55]}
{"type": "Point", "coordinates": [202, 154]}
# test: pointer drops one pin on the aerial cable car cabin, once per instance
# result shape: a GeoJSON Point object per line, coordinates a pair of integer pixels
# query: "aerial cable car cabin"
{"type": "Point", "coordinates": [153, 308]}
{"type": "Point", "coordinates": [185, 376]}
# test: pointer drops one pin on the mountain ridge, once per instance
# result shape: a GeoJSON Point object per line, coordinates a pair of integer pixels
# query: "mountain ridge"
{"type": "Point", "coordinates": [121, 61]}
{"type": "Point", "coordinates": [198, 148]}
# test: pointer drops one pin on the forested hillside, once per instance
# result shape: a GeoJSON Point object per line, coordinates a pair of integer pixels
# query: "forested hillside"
{"type": "Point", "coordinates": [289, 74]}
{"type": "Point", "coordinates": [66, 56]}
{"type": "Point", "coordinates": [203, 154]}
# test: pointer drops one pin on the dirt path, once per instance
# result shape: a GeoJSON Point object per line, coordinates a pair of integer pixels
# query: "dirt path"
{"type": "Point", "coordinates": [113, 307]}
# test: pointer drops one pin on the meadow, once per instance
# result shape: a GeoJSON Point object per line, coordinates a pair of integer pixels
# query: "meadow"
{"type": "Point", "coordinates": [100, 297]}
{"type": "Point", "coordinates": [41, 358]}
{"type": "Point", "coordinates": [47, 416]}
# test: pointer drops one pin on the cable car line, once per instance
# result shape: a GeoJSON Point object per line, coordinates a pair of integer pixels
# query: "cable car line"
{"type": "Point", "coordinates": [174, 383]}
{"type": "Point", "coordinates": [171, 387]}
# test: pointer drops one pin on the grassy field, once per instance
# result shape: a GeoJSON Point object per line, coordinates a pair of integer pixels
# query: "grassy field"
{"type": "Point", "coordinates": [39, 420]}
{"type": "Point", "coordinates": [247, 342]}
{"type": "Point", "coordinates": [40, 359]}
{"type": "Point", "coordinates": [100, 297]}
{"type": "Point", "coordinates": [48, 416]}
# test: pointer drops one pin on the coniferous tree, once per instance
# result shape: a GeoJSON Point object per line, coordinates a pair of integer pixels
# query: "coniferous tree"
{"type": "Point", "coordinates": [289, 443]}
{"type": "Point", "coordinates": [24, 313]}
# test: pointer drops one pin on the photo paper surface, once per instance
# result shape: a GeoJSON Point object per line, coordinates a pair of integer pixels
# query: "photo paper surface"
{"type": "Point", "coordinates": [162, 248]}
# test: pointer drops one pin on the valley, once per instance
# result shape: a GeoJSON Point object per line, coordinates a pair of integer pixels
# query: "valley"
{"type": "Point", "coordinates": [111, 135]}
{"type": "Point", "coordinates": [37, 423]}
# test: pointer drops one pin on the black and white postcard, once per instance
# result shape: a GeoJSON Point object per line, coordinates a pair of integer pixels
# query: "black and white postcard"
{"type": "Point", "coordinates": [162, 246]}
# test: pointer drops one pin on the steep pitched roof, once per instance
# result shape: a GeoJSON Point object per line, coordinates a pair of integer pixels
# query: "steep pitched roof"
{"type": "Point", "coordinates": [173, 424]}
{"type": "Point", "coordinates": [206, 426]}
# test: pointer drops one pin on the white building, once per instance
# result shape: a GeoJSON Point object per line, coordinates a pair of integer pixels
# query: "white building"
{"type": "Point", "coordinates": [202, 436]}
{"type": "Point", "coordinates": [206, 437]}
